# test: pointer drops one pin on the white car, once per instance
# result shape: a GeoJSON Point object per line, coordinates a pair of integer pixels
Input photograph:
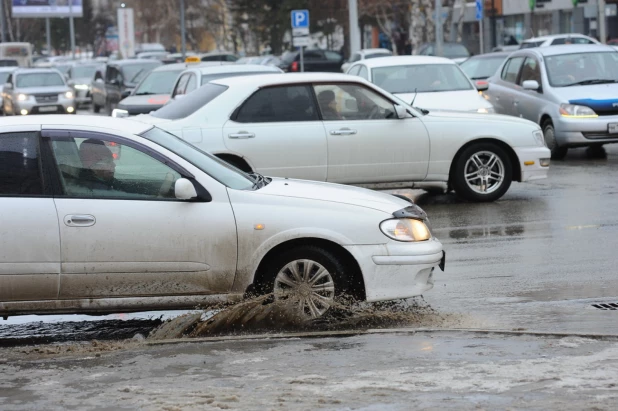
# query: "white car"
{"type": "Point", "coordinates": [104, 215]}
{"type": "Point", "coordinates": [365, 54]}
{"type": "Point", "coordinates": [285, 125]}
{"type": "Point", "coordinates": [432, 83]}
{"type": "Point", "coordinates": [557, 39]}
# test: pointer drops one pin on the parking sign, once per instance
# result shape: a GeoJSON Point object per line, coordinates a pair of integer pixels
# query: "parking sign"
{"type": "Point", "coordinates": [300, 19]}
{"type": "Point", "coordinates": [479, 9]}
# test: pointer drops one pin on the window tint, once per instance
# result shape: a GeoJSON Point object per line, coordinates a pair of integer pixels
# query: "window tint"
{"type": "Point", "coordinates": [157, 82]}
{"type": "Point", "coordinates": [364, 73]}
{"type": "Point", "coordinates": [422, 78]}
{"type": "Point", "coordinates": [571, 40]}
{"type": "Point", "coordinates": [230, 57]}
{"type": "Point", "coordinates": [530, 71]}
{"type": "Point", "coordinates": [192, 84]}
{"type": "Point", "coordinates": [191, 103]}
{"type": "Point", "coordinates": [377, 55]}
{"type": "Point", "coordinates": [19, 164]}
{"type": "Point", "coordinates": [482, 68]}
{"type": "Point", "coordinates": [181, 85]}
{"type": "Point", "coordinates": [352, 102]}
{"type": "Point", "coordinates": [275, 104]}
{"type": "Point", "coordinates": [313, 55]}
{"type": "Point", "coordinates": [332, 56]}
{"type": "Point", "coordinates": [39, 80]}
{"type": "Point", "coordinates": [94, 168]}
{"type": "Point", "coordinates": [573, 68]}
{"type": "Point", "coordinates": [511, 69]}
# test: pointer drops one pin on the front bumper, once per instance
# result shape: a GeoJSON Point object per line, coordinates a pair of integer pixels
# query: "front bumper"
{"type": "Point", "coordinates": [574, 132]}
{"type": "Point", "coordinates": [398, 270]}
{"type": "Point", "coordinates": [531, 160]}
{"type": "Point", "coordinates": [61, 106]}
{"type": "Point", "coordinates": [82, 96]}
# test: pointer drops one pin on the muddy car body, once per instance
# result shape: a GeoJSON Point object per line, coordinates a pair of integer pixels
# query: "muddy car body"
{"type": "Point", "coordinates": [174, 227]}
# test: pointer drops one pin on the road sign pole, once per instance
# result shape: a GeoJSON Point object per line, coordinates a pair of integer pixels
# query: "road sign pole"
{"type": "Point", "coordinates": [481, 32]}
{"type": "Point", "coordinates": [438, 28]}
{"type": "Point", "coordinates": [480, 17]}
{"type": "Point", "coordinates": [48, 33]}
{"type": "Point", "coordinates": [302, 60]}
{"type": "Point", "coordinates": [183, 44]}
{"type": "Point", "coordinates": [72, 28]}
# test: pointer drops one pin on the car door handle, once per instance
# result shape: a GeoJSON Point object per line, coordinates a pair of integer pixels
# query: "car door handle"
{"type": "Point", "coordinates": [343, 132]}
{"type": "Point", "coordinates": [242, 134]}
{"type": "Point", "coordinates": [79, 220]}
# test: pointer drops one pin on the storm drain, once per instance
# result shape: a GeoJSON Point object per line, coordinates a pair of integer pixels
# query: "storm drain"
{"type": "Point", "coordinates": [608, 306]}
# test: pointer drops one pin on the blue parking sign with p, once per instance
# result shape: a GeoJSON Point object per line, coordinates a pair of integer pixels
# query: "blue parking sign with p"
{"type": "Point", "coordinates": [300, 19]}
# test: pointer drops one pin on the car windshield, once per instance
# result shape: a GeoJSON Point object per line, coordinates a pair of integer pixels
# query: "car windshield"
{"type": "Point", "coordinates": [422, 78]}
{"type": "Point", "coordinates": [190, 103]}
{"type": "Point", "coordinates": [39, 80]}
{"type": "Point", "coordinates": [288, 56]}
{"type": "Point", "coordinates": [83, 71]}
{"type": "Point", "coordinates": [63, 68]}
{"type": "Point", "coordinates": [211, 165]}
{"type": "Point", "coordinates": [375, 55]}
{"type": "Point", "coordinates": [582, 69]}
{"type": "Point", "coordinates": [482, 68]}
{"type": "Point", "coordinates": [455, 51]}
{"type": "Point", "coordinates": [157, 82]}
{"type": "Point", "coordinates": [4, 75]}
{"type": "Point", "coordinates": [133, 73]}
{"type": "Point", "coordinates": [210, 77]}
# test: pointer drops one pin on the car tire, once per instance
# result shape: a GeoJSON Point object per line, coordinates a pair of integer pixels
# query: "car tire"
{"type": "Point", "coordinates": [493, 168]}
{"type": "Point", "coordinates": [549, 133]}
{"type": "Point", "coordinates": [326, 270]}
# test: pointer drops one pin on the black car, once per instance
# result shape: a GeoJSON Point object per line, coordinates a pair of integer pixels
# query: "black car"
{"type": "Point", "coordinates": [313, 60]}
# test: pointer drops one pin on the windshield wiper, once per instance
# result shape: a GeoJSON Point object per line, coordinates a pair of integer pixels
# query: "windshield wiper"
{"type": "Point", "coordinates": [592, 81]}
{"type": "Point", "coordinates": [479, 78]}
{"type": "Point", "coordinates": [259, 180]}
{"type": "Point", "coordinates": [145, 93]}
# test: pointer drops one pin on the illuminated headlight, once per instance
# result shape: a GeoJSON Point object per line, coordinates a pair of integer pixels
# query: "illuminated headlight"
{"type": "Point", "coordinates": [81, 86]}
{"type": "Point", "coordinates": [572, 110]}
{"type": "Point", "coordinates": [539, 138]}
{"type": "Point", "coordinates": [68, 94]}
{"type": "Point", "coordinates": [486, 110]}
{"type": "Point", "coordinates": [120, 113]}
{"type": "Point", "coordinates": [22, 97]}
{"type": "Point", "coordinates": [406, 229]}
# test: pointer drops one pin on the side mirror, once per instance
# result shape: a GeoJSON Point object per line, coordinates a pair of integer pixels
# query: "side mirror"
{"type": "Point", "coordinates": [178, 96]}
{"type": "Point", "coordinates": [481, 85]}
{"type": "Point", "coordinates": [400, 111]}
{"type": "Point", "coordinates": [184, 189]}
{"type": "Point", "coordinates": [114, 82]}
{"type": "Point", "coordinates": [126, 93]}
{"type": "Point", "coordinates": [531, 85]}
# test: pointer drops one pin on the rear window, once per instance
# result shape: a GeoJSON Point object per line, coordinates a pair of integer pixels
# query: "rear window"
{"type": "Point", "coordinates": [288, 56]}
{"type": "Point", "coordinates": [190, 103]}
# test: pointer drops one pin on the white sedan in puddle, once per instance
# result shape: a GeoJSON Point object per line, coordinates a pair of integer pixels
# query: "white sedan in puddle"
{"type": "Point", "coordinates": [343, 129]}
{"type": "Point", "coordinates": [104, 215]}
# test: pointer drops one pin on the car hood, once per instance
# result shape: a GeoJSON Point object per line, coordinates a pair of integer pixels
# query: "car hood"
{"type": "Point", "coordinates": [81, 80]}
{"type": "Point", "coordinates": [603, 97]}
{"type": "Point", "coordinates": [462, 100]}
{"type": "Point", "coordinates": [458, 116]}
{"type": "Point", "coordinates": [149, 100]}
{"type": "Point", "coordinates": [148, 119]}
{"type": "Point", "coordinates": [43, 90]}
{"type": "Point", "coordinates": [334, 193]}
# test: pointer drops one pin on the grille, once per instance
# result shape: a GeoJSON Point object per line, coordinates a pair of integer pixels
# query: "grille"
{"type": "Point", "coordinates": [607, 306]}
{"type": "Point", "coordinates": [599, 134]}
{"type": "Point", "coordinates": [46, 98]}
{"type": "Point", "coordinates": [610, 112]}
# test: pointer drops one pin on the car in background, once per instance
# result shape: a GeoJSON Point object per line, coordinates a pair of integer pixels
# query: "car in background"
{"type": "Point", "coordinates": [152, 93]}
{"type": "Point", "coordinates": [177, 57]}
{"type": "Point", "coordinates": [557, 39]}
{"type": "Point", "coordinates": [510, 48]}
{"type": "Point", "coordinates": [37, 91]}
{"type": "Point", "coordinates": [195, 77]}
{"type": "Point", "coordinates": [365, 54]}
{"type": "Point", "coordinates": [314, 60]}
{"type": "Point", "coordinates": [480, 67]}
{"type": "Point", "coordinates": [118, 81]}
{"type": "Point", "coordinates": [167, 226]}
{"type": "Point", "coordinates": [431, 83]}
{"type": "Point", "coordinates": [217, 56]}
{"type": "Point", "coordinates": [157, 55]}
{"type": "Point", "coordinates": [570, 91]}
{"type": "Point", "coordinates": [79, 77]}
{"type": "Point", "coordinates": [454, 51]}
{"type": "Point", "coordinates": [342, 129]}
{"type": "Point", "coordinates": [9, 63]}
{"type": "Point", "coordinates": [5, 72]}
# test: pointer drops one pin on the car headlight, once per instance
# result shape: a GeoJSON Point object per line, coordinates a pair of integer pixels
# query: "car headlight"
{"type": "Point", "coordinates": [486, 110]}
{"type": "Point", "coordinates": [572, 110]}
{"type": "Point", "coordinates": [68, 94]}
{"type": "Point", "coordinates": [81, 86]}
{"type": "Point", "coordinates": [539, 137]}
{"type": "Point", "coordinates": [22, 97]}
{"type": "Point", "coordinates": [405, 229]}
{"type": "Point", "coordinates": [120, 113]}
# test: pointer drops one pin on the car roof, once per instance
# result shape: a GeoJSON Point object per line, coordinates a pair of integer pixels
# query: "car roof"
{"type": "Point", "coordinates": [568, 49]}
{"type": "Point", "coordinates": [286, 78]}
{"type": "Point", "coordinates": [8, 68]}
{"type": "Point", "coordinates": [369, 51]}
{"type": "Point", "coordinates": [35, 70]}
{"type": "Point", "coordinates": [128, 62]}
{"type": "Point", "coordinates": [237, 68]}
{"type": "Point", "coordinates": [492, 54]}
{"type": "Point", "coordinates": [172, 67]}
{"type": "Point", "coordinates": [406, 61]}
{"type": "Point", "coordinates": [112, 123]}
{"type": "Point", "coordinates": [554, 36]}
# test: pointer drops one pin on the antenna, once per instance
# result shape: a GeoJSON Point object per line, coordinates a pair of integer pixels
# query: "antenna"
{"type": "Point", "coordinates": [415, 93]}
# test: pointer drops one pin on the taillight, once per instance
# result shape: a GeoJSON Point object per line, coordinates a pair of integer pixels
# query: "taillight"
{"type": "Point", "coordinates": [294, 66]}
{"type": "Point", "coordinates": [115, 148]}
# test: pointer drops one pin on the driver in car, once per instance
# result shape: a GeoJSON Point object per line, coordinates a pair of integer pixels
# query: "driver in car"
{"type": "Point", "coordinates": [98, 166]}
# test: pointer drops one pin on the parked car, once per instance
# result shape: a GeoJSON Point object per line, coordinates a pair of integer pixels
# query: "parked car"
{"type": "Point", "coordinates": [37, 91]}
{"type": "Point", "coordinates": [118, 81]}
{"type": "Point", "coordinates": [454, 51]}
{"type": "Point", "coordinates": [152, 93]}
{"type": "Point", "coordinates": [79, 77]}
{"type": "Point", "coordinates": [479, 68]}
{"type": "Point", "coordinates": [571, 91]}
{"type": "Point", "coordinates": [218, 56]}
{"type": "Point", "coordinates": [363, 55]}
{"type": "Point", "coordinates": [557, 39]}
{"type": "Point", "coordinates": [432, 83]}
{"type": "Point", "coordinates": [5, 72]}
{"type": "Point", "coordinates": [343, 129]}
{"type": "Point", "coordinates": [164, 225]}
{"type": "Point", "coordinates": [313, 60]}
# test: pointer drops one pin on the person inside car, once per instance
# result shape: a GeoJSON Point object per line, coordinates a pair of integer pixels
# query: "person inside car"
{"type": "Point", "coordinates": [328, 105]}
{"type": "Point", "coordinates": [98, 166]}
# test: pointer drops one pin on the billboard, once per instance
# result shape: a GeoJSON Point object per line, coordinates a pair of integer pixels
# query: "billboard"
{"type": "Point", "coordinates": [46, 8]}
{"type": "Point", "coordinates": [126, 33]}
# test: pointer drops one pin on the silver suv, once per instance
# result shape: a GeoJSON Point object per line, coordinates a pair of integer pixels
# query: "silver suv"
{"type": "Point", "coordinates": [571, 91]}
{"type": "Point", "coordinates": [37, 91]}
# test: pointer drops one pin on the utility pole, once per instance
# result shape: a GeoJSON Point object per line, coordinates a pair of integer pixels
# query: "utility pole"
{"type": "Point", "coordinates": [439, 35]}
{"type": "Point", "coordinates": [494, 40]}
{"type": "Point", "coordinates": [3, 18]}
{"type": "Point", "coordinates": [183, 45]}
{"type": "Point", "coordinates": [72, 27]}
{"type": "Point", "coordinates": [48, 33]}
{"type": "Point", "coordinates": [602, 21]}
{"type": "Point", "coordinates": [354, 29]}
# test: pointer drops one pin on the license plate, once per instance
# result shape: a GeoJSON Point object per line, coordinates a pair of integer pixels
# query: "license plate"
{"type": "Point", "coordinates": [48, 109]}
{"type": "Point", "coordinates": [612, 128]}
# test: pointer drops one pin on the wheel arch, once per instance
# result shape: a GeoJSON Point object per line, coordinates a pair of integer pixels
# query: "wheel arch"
{"type": "Point", "coordinates": [357, 283]}
{"type": "Point", "coordinates": [516, 167]}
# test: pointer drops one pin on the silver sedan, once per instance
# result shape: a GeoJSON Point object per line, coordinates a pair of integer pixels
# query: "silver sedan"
{"type": "Point", "coordinates": [570, 90]}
